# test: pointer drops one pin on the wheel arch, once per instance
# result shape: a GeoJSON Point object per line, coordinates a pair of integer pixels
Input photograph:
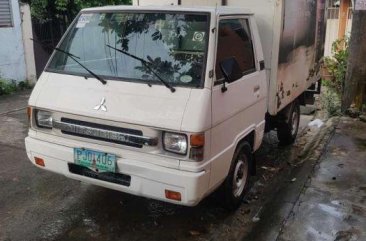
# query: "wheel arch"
{"type": "Point", "coordinates": [250, 139]}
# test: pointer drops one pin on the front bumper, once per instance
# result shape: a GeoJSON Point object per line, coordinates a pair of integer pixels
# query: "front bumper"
{"type": "Point", "coordinates": [147, 180]}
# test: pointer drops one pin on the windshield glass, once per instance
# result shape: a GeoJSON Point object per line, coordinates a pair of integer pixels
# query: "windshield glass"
{"type": "Point", "coordinates": [174, 44]}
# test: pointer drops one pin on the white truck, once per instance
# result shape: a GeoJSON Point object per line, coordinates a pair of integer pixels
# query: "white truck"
{"type": "Point", "coordinates": [170, 102]}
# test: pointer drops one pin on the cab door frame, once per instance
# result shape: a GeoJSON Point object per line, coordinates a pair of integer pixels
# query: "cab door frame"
{"type": "Point", "coordinates": [240, 110]}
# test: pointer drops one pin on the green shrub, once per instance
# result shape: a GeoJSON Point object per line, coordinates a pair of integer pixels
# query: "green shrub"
{"type": "Point", "coordinates": [331, 102]}
{"type": "Point", "coordinates": [24, 85]}
{"type": "Point", "coordinates": [337, 66]}
{"type": "Point", "coordinates": [7, 87]}
{"type": "Point", "coordinates": [10, 86]}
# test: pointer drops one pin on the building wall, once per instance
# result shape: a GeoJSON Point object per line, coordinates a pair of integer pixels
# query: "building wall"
{"type": "Point", "coordinates": [12, 63]}
{"type": "Point", "coordinates": [335, 19]}
{"type": "Point", "coordinates": [28, 43]}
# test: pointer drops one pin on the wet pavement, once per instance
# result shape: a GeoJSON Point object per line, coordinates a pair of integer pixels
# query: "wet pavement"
{"type": "Point", "coordinates": [38, 205]}
{"type": "Point", "coordinates": [332, 206]}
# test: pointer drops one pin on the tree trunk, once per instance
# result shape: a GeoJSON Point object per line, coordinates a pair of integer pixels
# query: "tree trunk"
{"type": "Point", "coordinates": [356, 68]}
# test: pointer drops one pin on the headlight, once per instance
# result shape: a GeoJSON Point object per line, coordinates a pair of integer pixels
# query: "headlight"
{"type": "Point", "coordinates": [44, 119]}
{"type": "Point", "coordinates": [175, 142]}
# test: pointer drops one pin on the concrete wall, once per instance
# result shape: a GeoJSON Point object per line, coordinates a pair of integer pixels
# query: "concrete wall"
{"type": "Point", "coordinates": [339, 24]}
{"type": "Point", "coordinates": [12, 62]}
{"type": "Point", "coordinates": [28, 43]}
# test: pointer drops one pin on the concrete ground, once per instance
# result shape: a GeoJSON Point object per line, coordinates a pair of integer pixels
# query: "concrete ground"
{"type": "Point", "coordinates": [38, 205]}
{"type": "Point", "coordinates": [332, 206]}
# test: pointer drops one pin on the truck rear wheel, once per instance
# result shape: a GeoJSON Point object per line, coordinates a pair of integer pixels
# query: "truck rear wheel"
{"type": "Point", "coordinates": [236, 183]}
{"type": "Point", "coordinates": [287, 130]}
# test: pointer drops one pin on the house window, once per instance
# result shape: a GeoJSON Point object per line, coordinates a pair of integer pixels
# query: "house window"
{"type": "Point", "coordinates": [5, 14]}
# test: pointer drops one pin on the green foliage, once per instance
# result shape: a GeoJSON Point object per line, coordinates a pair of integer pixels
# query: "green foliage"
{"type": "Point", "coordinates": [7, 86]}
{"type": "Point", "coordinates": [24, 85]}
{"type": "Point", "coordinates": [331, 102]}
{"type": "Point", "coordinates": [44, 10]}
{"type": "Point", "coordinates": [337, 66]}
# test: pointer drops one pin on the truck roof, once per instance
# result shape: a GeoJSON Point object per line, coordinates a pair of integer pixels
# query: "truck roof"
{"type": "Point", "coordinates": [220, 10]}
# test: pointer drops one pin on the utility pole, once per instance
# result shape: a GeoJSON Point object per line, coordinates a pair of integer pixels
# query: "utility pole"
{"type": "Point", "coordinates": [355, 82]}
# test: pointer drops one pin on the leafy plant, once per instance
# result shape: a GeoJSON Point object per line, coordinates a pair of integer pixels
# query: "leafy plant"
{"type": "Point", "coordinates": [24, 85]}
{"type": "Point", "coordinates": [7, 87]}
{"type": "Point", "coordinates": [331, 102]}
{"type": "Point", "coordinates": [10, 86]}
{"type": "Point", "coordinates": [337, 66]}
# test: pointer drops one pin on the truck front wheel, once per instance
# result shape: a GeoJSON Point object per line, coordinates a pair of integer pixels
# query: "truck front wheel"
{"type": "Point", "coordinates": [236, 183]}
{"type": "Point", "coordinates": [288, 128]}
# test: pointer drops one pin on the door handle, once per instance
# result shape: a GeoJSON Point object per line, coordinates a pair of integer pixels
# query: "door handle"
{"type": "Point", "coordinates": [256, 88]}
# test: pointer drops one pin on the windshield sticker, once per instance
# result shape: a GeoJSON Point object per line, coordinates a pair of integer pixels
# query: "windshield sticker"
{"type": "Point", "coordinates": [198, 36]}
{"type": "Point", "coordinates": [186, 79]}
{"type": "Point", "coordinates": [83, 20]}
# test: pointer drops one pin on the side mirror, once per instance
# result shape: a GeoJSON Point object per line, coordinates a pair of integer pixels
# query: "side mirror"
{"type": "Point", "coordinates": [230, 69]}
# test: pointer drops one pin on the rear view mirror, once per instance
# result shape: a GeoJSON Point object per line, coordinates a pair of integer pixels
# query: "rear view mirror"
{"type": "Point", "coordinates": [230, 69]}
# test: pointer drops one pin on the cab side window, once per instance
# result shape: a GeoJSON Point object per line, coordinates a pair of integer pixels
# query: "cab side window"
{"type": "Point", "coordinates": [235, 41]}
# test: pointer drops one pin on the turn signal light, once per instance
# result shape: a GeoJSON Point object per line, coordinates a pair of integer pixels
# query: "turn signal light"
{"type": "Point", "coordinates": [173, 195]}
{"type": "Point", "coordinates": [29, 113]}
{"type": "Point", "coordinates": [39, 161]}
{"type": "Point", "coordinates": [197, 140]}
{"type": "Point", "coordinates": [197, 147]}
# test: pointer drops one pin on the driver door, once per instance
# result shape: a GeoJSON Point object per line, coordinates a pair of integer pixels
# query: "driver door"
{"type": "Point", "coordinates": [241, 108]}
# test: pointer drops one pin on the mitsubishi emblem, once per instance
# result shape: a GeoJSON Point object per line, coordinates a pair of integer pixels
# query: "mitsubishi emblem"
{"type": "Point", "coordinates": [101, 106]}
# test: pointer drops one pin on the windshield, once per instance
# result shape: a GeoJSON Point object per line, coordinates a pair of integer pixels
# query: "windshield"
{"type": "Point", "coordinates": [174, 45]}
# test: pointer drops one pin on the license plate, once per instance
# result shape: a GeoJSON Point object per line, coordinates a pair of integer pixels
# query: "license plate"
{"type": "Point", "coordinates": [95, 160]}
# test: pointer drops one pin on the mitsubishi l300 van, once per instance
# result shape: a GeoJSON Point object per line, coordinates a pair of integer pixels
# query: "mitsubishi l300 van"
{"type": "Point", "coordinates": [167, 102]}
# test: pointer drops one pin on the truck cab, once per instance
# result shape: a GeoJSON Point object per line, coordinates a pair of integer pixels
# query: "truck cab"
{"type": "Point", "coordinates": [164, 102]}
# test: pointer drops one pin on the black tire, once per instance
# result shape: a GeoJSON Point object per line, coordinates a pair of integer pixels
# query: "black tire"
{"type": "Point", "coordinates": [288, 128]}
{"type": "Point", "coordinates": [231, 193]}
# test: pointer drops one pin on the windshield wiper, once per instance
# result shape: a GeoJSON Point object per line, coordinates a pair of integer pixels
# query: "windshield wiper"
{"type": "Point", "coordinates": [147, 65]}
{"type": "Point", "coordinates": [73, 57]}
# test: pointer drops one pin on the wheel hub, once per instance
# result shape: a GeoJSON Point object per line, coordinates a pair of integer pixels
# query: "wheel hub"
{"type": "Point", "coordinates": [295, 123]}
{"type": "Point", "coordinates": [240, 177]}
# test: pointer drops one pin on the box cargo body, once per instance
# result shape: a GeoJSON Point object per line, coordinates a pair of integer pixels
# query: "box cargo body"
{"type": "Point", "coordinates": [292, 34]}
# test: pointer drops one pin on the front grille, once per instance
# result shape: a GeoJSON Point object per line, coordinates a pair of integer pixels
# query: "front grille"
{"type": "Point", "coordinates": [133, 143]}
{"type": "Point", "coordinates": [116, 178]}
{"type": "Point", "coordinates": [102, 127]}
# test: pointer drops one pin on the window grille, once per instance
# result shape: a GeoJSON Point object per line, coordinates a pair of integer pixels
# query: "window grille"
{"type": "Point", "coordinates": [5, 14]}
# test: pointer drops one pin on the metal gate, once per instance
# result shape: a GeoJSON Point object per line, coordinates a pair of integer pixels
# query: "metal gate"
{"type": "Point", "coordinates": [46, 35]}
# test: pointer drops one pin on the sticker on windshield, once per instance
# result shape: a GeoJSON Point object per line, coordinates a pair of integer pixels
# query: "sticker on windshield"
{"type": "Point", "coordinates": [198, 36]}
{"type": "Point", "coordinates": [83, 20]}
{"type": "Point", "coordinates": [186, 79]}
